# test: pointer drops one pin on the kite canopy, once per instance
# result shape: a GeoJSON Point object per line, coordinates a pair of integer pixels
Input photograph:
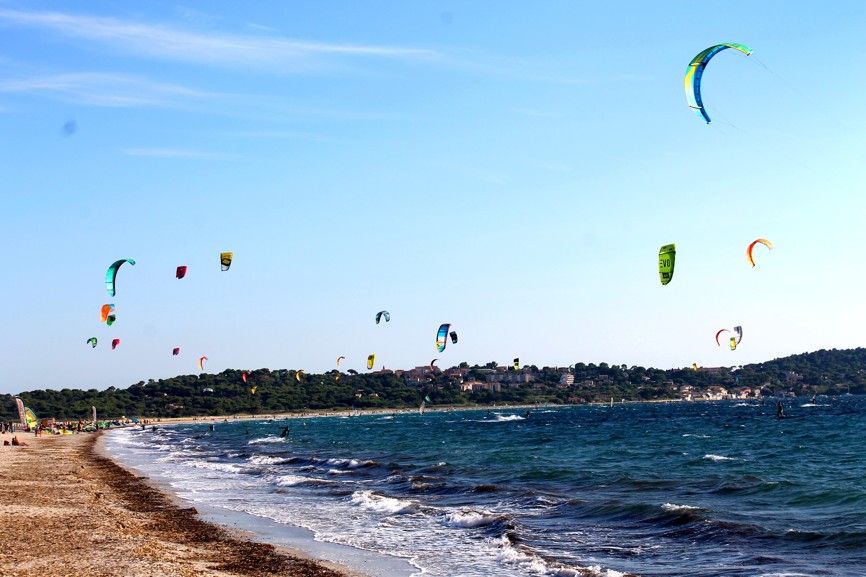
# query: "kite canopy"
{"type": "Point", "coordinates": [181, 272]}
{"type": "Point", "coordinates": [340, 359]}
{"type": "Point", "coordinates": [381, 314]}
{"type": "Point", "coordinates": [106, 310]}
{"type": "Point", "coordinates": [92, 342]}
{"type": "Point", "coordinates": [433, 362]}
{"type": "Point", "coordinates": [114, 344]}
{"type": "Point", "coordinates": [739, 332]}
{"type": "Point", "coordinates": [109, 320]}
{"type": "Point", "coordinates": [371, 360]}
{"type": "Point", "coordinates": [442, 337]}
{"type": "Point", "coordinates": [225, 260]}
{"type": "Point", "coordinates": [175, 351]}
{"type": "Point", "coordinates": [667, 256]}
{"type": "Point", "coordinates": [733, 343]}
{"type": "Point", "coordinates": [719, 333]}
{"type": "Point", "coordinates": [453, 337]}
{"type": "Point", "coordinates": [112, 273]}
{"type": "Point", "coordinates": [764, 242]}
{"type": "Point", "coordinates": [298, 375]}
{"type": "Point", "coordinates": [201, 363]}
{"type": "Point", "coordinates": [695, 72]}
{"type": "Point", "coordinates": [244, 375]}
{"type": "Point", "coordinates": [517, 364]}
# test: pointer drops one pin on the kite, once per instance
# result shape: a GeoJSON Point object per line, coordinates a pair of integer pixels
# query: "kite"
{"type": "Point", "coordinates": [225, 260]}
{"type": "Point", "coordinates": [340, 359]}
{"type": "Point", "coordinates": [733, 343]}
{"type": "Point", "coordinates": [720, 332]}
{"type": "Point", "coordinates": [298, 375]}
{"type": "Point", "coordinates": [739, 332]}
{"type": "Point", "coordinates": [517, 364]}
{"type": "Point", "coordinates": [371, 360]}
{"type": "Point", "coordinates": [92, 342]}
{"type": "Point", "coordinates": [110, 319]}
{"type": "Point", "coordinates": [106, 310]}
{"type": "Point", "coordinates": [114, 344]}
{"type": "Point", "coordinates": [764, 242]}
{"type": "Point", "coordinates": [432, 368]}
{"type": "Point", "coordinates": [253, 390]}
{"type": "Point", "coordinates": [695, 366]}
{"type": "Point", "coordinates": [353, 372]}
{"type": "Point", "coordinates": [244, 375]}
{"type": "Point", "coordinates": [453, 337]}
{"type": "Point", "coordinates": [112, 273]}
{"type": "Point", "coordinates": [181, 272]}
{"type": "Point", "coordinates": [441, 337]}
{"type": "Point", "coordinates": [696, 70]}
{"type": "Point", "coordinates": [381, 314]}
{"type": "Point", "coordinates": [201, 363]}
{"type": "Point", "coordinates": [667, 255]}
{"type": "Point", "coordinates": [176, 351]}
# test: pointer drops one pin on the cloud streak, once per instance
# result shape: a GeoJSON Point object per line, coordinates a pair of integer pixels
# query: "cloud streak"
{"type": "Point", "coordinates": [175, 153]}
{"type": "Point", "coordinates": [100, 89]}
{"type": "Point", "coordinates": [218, 49]}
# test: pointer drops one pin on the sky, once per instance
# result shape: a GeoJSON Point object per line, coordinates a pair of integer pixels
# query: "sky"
{"type": "Point", "coordinates": [510, 168]}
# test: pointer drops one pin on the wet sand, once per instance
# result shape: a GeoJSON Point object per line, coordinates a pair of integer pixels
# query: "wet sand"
{"type": "Point", "coordinates": [67, 510]}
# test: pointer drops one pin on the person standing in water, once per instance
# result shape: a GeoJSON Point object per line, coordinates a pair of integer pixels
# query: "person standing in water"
{"type": "Point", "coordinates": [780, 413]}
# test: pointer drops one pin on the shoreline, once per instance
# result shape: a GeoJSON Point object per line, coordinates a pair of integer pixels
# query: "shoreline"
{"type": "Point", "coordinates": [78, 511]}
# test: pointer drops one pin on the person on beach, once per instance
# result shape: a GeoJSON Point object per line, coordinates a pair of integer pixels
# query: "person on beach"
{"type": "Point", "coordinates": [16, 442]}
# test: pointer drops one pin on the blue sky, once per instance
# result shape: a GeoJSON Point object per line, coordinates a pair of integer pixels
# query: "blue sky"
{"type": "Point", "coordinates": [509, 168]}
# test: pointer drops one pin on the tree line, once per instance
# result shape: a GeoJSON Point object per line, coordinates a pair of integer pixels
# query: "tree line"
{"type": "Point", "coordinates": [282, 391]}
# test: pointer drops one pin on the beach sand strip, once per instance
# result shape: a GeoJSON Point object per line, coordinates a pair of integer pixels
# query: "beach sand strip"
{"type": "Point", "coordinates": [66, 510]}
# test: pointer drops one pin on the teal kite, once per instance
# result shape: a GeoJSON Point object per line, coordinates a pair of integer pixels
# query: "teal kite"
{"type": "Point", "coordinates": [695, 72]}
{"type": "Point", "coordinates": [112, 273]}
{"type": "Point", "coordinates": [442, 337]}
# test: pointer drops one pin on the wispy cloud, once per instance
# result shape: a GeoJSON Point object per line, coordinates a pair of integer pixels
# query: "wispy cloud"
{"type": "Point", "coordinates": [175, 153]}
{"type": "Point", "coordinates": [222, 49]}
{"type": "Point", "coordinates": [99, 89]}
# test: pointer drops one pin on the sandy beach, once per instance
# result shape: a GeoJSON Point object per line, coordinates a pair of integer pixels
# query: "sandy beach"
{"type": "Point", "coordinates": [72, 511]}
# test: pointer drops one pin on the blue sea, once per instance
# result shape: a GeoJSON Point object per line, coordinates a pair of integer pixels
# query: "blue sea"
{"type": "Point", "coordinates": [651, 489]}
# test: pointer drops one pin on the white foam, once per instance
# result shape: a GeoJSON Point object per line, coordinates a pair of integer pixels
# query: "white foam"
{"type": "Point", "coordinates": [501, 418]}
{"type": "Point", "coordinates": [675, 507]}
{"type": "Point", "coordinates": [290, 480]}
{"type": "Point", "coordinates": [266, 460]}
{"type": "Point", "coordinates": [718, 458]}
{"type": "Point", "coordinates": [380, 503]}
{"type": "Point", "coordinates": [469, 519]}
{"type": "Point", "coordinates": [268, 439]}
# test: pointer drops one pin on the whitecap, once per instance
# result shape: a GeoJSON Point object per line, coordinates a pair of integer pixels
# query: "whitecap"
{"type": "Point", "coordinates": [268, 439]}
{"type": "Point", "coordinates": [380, 503]}
{"type": "Point", "coordinates": [469, 519]}
{"type": "Point", "coordinates": [674, 507]}
{"type": "Point", "coordinates": [718, 458]}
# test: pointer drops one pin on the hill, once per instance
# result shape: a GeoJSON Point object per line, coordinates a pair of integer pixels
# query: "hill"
{"type": "Point", "coordinates": [282, 391]}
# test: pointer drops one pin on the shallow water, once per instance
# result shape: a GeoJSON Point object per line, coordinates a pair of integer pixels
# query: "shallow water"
{"type": "Point", "coordinates": [667, 489]}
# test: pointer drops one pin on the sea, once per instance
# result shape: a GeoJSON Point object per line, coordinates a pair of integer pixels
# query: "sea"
{"type": "Point", "coordinates": [699, 489]}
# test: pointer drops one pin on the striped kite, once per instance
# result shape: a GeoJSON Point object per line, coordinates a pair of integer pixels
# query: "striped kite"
{"type": "Point", "coordinates": [695, 72]}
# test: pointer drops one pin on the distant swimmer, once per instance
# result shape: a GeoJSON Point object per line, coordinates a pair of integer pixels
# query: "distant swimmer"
{"type": "Point", "coordinates": [285, 432]}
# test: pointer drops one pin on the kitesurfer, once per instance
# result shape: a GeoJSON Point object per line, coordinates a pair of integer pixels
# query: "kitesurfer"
{"type": "Point", "coordinates": [779, 412]}
{"type": "Point", "coordinates": [285, 432]}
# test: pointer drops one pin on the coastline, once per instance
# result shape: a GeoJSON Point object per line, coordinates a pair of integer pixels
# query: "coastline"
{"type": "Point", "coordinates": [76, 511]}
